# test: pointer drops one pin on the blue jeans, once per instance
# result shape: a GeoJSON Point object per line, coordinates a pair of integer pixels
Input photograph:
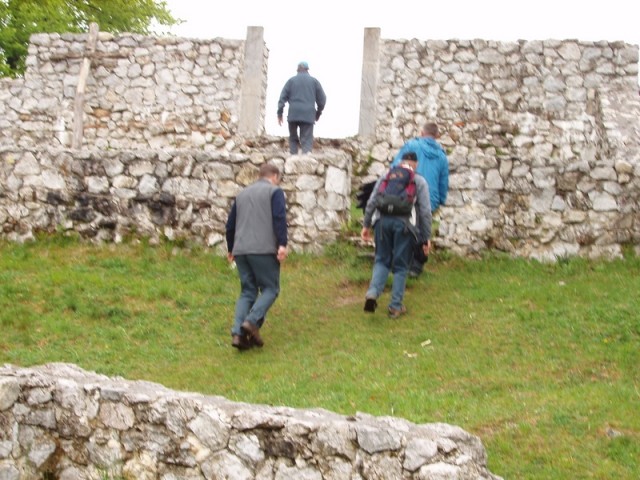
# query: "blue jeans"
{"type": "Point", "coordinates": [260, 286]}
{"type": "Point", "coordinates": [394, 245]}
{"type": "Point", "coordinates": [305, 140]}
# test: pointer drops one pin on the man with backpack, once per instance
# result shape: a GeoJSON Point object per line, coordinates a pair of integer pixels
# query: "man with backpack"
{"type": "Point", "coordinates": [396, 196]}
{"type": "Point", "coordinates": [433, 165]}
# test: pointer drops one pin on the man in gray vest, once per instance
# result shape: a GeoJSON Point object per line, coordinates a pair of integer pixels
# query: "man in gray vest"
{"type": "Point", "coordinates": [256, 232]}
{"type": "Point", "coordinates": [303, 93]}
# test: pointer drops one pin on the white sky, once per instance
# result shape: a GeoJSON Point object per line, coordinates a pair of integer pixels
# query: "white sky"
{"type": "Point", "coordinates": [329, 35]}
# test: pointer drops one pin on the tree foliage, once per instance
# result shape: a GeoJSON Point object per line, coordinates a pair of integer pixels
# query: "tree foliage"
{"type": "Point", "coordinates": [19, 19]}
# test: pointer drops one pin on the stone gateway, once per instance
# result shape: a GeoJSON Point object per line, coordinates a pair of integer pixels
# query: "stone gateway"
{"type": "Point", "coordinates": [543, 140]}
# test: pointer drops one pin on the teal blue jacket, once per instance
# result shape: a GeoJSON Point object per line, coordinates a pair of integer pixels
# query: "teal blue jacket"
{"type": "Point", "coordinates": [433, 165]}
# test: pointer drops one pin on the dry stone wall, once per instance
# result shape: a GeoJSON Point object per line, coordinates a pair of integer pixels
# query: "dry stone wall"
{"type": "Point", "coordinates": [164, 147]}
{"type": "Point", "coordinates": [184, 194]}
{"type": "Point", "coordinates": [143, 93]}
{"type": "Point", "coordinates": [542, 136]}
{"type": "Point", "coordinates": [59, 421]}
{"type": "Point", "coordinates": [543, 139]}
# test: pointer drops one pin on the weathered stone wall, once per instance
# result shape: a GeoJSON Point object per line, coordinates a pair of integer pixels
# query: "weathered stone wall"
{"type": "Point", "coordinates": [543, 136]}
{"type": "Point", "coordinates": [174, 194]}
{"type": "Point", "coordinates": [541, 164]}
{"type": "Point", "coordinates": [142, 92]}
{"type": "Point", "coordinates": [59, 421]}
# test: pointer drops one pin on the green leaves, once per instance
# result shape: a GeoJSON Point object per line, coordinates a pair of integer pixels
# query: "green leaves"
{"type": "Point", "coordinates": [19, 19]}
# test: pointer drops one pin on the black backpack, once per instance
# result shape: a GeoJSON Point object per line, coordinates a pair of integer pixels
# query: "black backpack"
{"type": "Point", "coordinates": [397, 192]}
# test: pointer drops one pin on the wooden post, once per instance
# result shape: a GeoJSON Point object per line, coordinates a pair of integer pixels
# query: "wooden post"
{"type": "Point", "coordinates": [78, 112]}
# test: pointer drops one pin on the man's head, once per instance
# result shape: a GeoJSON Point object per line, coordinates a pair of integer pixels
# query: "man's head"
{"type": "Point", "coordinates": [303, 67]}
{"type": "Point", "coordinates": [410, 158]}
{"type": "Point", "coordinates": [270, 172]}
{"type": "Point", "coordinates": [430, 129]}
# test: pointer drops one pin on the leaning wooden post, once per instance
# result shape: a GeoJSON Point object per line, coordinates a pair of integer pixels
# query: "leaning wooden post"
{"type": "Point", "coordinates": [78, 112]}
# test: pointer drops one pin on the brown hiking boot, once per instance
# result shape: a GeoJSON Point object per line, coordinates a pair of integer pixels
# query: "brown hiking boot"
{"type": "Point", "coordinates": [253, 332]}
{"type": "Point", "coordinates": [241, 342]}
{"type": "Point", "coordinates": [393, 313]}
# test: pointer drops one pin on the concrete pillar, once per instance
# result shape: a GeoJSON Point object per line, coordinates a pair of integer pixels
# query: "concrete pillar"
{"type": "Point", "coordinates": [253, 95]}
{"type": "Point", "coordinates": [369, 82]}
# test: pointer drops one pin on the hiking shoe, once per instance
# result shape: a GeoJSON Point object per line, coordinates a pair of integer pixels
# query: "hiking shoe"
{"type": "Point", "coordinates": [393, 313]}
{"type": "Point", "coordinates": [253, 332]}
{"type": "Point", "coordinates": [241, 342]}
{"type": "Point", "coordinates": [370, 305]}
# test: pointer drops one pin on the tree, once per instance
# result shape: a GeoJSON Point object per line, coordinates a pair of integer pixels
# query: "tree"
{"type": "Point", "coordinates": [21, 18]}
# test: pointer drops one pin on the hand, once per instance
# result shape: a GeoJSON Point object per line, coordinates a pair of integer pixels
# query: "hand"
{"type": "Point", "coordinates": [426, 247]}
{"type": "Point", "coordinates": [365, 234]}
{"type": "Point", "coordinates": [279, 120]}
{"type": "Point", "coordinates": [230, 257]}
{"type": "Point", "coordinates": [282, 253]}
{"type": "Point", "coordinates": [318, 115]}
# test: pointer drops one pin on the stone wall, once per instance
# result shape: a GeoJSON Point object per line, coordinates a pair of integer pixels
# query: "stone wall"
{"type": "Point", "coordinates": [141, 93]}
{"type": "Point", "coordinates": [543, 136]}
{"type": "Point", "coordinates": [541, 164]}
{"type": "Point", "coordinates": [59, 421]}
{"type": "Point", "coordinates": [175, 194]}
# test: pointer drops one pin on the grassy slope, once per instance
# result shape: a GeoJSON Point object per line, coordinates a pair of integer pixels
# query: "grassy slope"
{"type": "Point", "coordinates": [540, 361]}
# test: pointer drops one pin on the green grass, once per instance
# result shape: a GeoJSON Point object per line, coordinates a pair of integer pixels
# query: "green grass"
{"type": "Point", "coordinates": [540, 361]}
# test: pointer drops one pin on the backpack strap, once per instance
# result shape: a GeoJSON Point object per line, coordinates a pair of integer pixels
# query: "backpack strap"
{"type": "Point", "coordinates": [385, 181]}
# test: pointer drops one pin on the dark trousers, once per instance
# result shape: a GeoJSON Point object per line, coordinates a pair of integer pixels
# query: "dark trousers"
{"type": "Point", "coordinates": [305, 140]}
{"type": "Point", "coordinates": [260, 286]}
{"type": "Point", "coordinates": [418, 259]}
{"type": "Point", "coordinates": [393, 247]}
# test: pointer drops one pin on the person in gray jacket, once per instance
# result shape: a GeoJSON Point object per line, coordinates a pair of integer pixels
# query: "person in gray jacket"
{"type": "Point", "coordinates": [303, 93]}
{"type": "Point", "coordinates": [256, 233]}
{"type": "Point", "coordinates": [394, 240]}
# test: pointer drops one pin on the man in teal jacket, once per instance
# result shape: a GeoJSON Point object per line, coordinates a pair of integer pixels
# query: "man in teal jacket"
{"type": "Point", "coordinates": [433, 166]}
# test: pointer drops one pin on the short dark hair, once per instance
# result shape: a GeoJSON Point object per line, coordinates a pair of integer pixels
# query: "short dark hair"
{"type": "Point", "coordinates": [411, 156]}
{"type": "Point", "coordinates": [268, 169]}
{"type": "Point", "coordinates": [431, 129]}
